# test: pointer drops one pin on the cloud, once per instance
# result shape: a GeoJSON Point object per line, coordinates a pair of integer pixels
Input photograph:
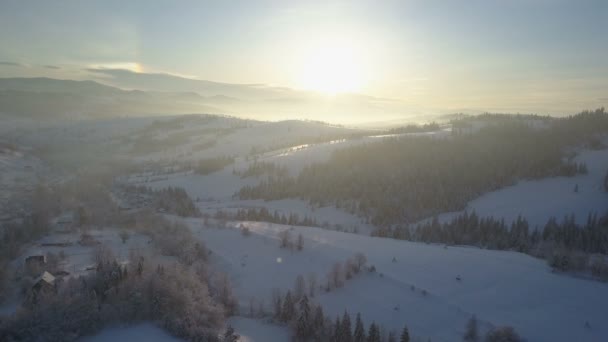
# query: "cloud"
{"type": "Point", "coordinates": [14, 64]}
{"type": "Point", "coordinates": [129, 66]}
{"type": "Point", "coordinates": [603, 99]}
{"type": "Point", "coordinates": [54, 67]}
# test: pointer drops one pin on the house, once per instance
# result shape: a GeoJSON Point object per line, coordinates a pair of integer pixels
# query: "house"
{"type": "Point", "coordinates": [43, 286]}
{"type": "Point", "coordinates": [44, 282]}
{"type": "Point", "coordinates": [35, 263]}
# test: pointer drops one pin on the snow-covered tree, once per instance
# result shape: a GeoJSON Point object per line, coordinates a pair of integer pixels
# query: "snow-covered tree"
{"type": "Point", "coordinates": [471, 334]}
{"type": "Point", "coordinates": [360, 261]}
{"type": "Point", "coordinates": [304, 325]}
{"type": "Point", "coordinates": [288, 309]}
{"type": "Point", "coordinates": [225, 294]}
{"type": "Point", "coordinates": [230, 335]}
{"type": "Point", "coordinates": [285, 238]}
{"type": "Point", "coordinates": [336, 275]}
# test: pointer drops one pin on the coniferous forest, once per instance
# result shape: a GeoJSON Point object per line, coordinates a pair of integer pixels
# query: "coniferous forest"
{"type": "Point", "coordinates": [408, 178]}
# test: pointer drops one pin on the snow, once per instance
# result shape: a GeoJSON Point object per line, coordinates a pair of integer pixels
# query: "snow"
{"type": "Point", "coordinates": [500, 287]}
{"type": "Point", "coordinates": [141, 332]}
{"type": "Point", "coordinates": [219, 185]}
{"type": "Point", "coordinates": [328, 216]}
{"type": "Point", "coordinates": [252, 330]}
{"type": "Point", "coordinates": [78, 257]}
{"type": "Point", "coordinates": [539, 200]}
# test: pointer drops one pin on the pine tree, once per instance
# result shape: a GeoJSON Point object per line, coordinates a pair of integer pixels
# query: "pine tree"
{"type": "Point", "coordinates": [405, 335]}
{"type": "Point", "coordinates": [288, 310]}
{"type": "Point", "coordinates": [347, 335]}
{"type": "Point", "coordinates": [471, 334]}
{"type": "Point", "coordinates": [391, 337]}
{"type": "Point", "coordinates": [359, 335]}
{"type": "Point", "coordinates": [374, 333]}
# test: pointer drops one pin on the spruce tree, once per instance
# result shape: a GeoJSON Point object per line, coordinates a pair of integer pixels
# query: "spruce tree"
{"type": "Point", "coordinates": [374, 333]}
{"type": "Point", "coordinates": [303, 329]}
{"type": "Point", "coordinates": [318, 324]}
{"type": "Point", "coordinates": [359, 335]}
{"type": "Point", "coordinates": [336, 337]}
{"type": "Point", "coordinates": [288, 310]}
{"type": "Point", "coordinates": [405, 335]}
{"type": "Point", "coordinates": [347, 335]}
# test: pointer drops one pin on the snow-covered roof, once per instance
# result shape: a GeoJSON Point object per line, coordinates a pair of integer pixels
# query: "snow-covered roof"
{"type": "Point", "coordinates": [47, 277]}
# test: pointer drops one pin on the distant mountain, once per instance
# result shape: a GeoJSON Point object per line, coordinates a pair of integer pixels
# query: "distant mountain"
{"type": "Point", "coordinates": [50, 85]}
{"type": "Point", "coordinates": [169, 83]}
{"type": "Point", "coordinates": [45, 98]}
{"type": "Point", "coordinates": [126, 93]}
{"type": "Point", "coordinates": [266, 102]}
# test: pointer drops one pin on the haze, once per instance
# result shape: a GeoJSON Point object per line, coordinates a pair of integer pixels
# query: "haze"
{"type": "Point", "coordinates": [340, 61]}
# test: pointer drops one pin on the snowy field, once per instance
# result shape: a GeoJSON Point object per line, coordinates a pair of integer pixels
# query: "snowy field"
{"type": "Point", "coordinates": [420, 287]}
{"type": "Point", "coordinates": [253, 330]}
{"type": "Point", "coordinates": [147, 332]}
{"type": "Point", "coordinates": [538, 200]}
{"type": "Point", "coordinates": [249, 330]}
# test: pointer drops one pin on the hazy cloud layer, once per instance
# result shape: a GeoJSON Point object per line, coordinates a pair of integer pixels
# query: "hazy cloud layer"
{"type": "Point", "coordinates": [13, 64]}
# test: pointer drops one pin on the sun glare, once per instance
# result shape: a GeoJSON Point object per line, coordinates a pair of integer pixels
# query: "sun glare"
{"type": "Point", "coordinates": [332, 67]}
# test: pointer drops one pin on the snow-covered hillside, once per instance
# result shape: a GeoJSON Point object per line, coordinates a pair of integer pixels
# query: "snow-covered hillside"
{"type": "Point", "coordinates": [420, 287]}
{"type": "Point", "coordinates": [539, 200]}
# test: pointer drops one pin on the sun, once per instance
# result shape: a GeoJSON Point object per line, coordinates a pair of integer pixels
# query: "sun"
{"type": "Point", "coordinates": [332, 67]}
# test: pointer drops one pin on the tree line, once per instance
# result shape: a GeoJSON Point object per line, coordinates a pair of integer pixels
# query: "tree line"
{"type": "Point", "coordinates": [566, 245]}
{"type": "Point", "coordinates": [264, 215]}
{"type": "Point", "coordinates": [308, 322]}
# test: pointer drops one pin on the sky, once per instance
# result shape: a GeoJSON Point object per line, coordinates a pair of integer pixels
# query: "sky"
{"type": "Point", "coordinates": [544, 56]}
